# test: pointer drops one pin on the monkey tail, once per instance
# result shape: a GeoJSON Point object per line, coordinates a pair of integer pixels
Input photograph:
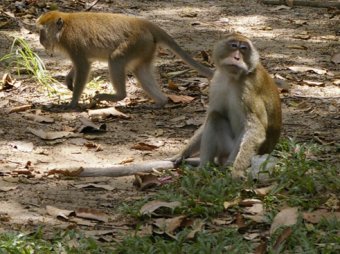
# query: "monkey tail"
{"type": "Point", "coordinates": [164, 38]}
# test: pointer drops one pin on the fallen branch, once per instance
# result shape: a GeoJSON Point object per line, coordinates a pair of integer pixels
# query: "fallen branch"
{"type": "Point", "coordinates": [319, 4]}
{"type": "Point", "coordinates": [91, 5]}
{"type": "Point", "coordinates": [121, 170]}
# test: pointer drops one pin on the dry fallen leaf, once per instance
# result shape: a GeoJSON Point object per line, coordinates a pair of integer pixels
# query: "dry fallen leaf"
{"type": "Point", "coordinates": [302, 36]}
{"type": "Point", "coordinates": [318, 215]}
{"type": "Point", "coordinates": [178, 119]}
{"type": "Point", "coordinates": [145, 181]}
{"type": "Point", "coordinates": [7, 81]}
{"type": "Point", "coordinates": [176, 73]}
{"type": "Point", "coordinates": [66, 172]}
{"type": "Point", "coordinates": [94, 214]}
{"type": "Point", "coordinates": [313, 83]}
{"type": "Point", "coordinates": [95, 186]}
{"type": "Point", "coordinates": [336, 58]}
{"type": "Point", "coordinates": [152, 206]}
{"type": "Point", "coordinates": [307, 68]}
{"type": "Point", "coordinates": [7, 188]}
{"type": "Point", "coordinates": [144, 147]}
{"type": "Point", "coordinates": [280, 7]}
{"type": "Point", "coordinates": [240, 222]}
{"type": "Point", "coordinates": [168, 226]}
{"type": "Point", "coordinates": [59, 213]}
{"type": "Point", "coordinates": [264, 191]}
{"type": "Point", "coordinates": [282, 238]}
{"type": "Point", "coordinates": [82, 222]}
{"type": "Point", "coordinates": [222, 221]}
{"type": "Point", "coordinates": [90, 127]}
{"type": "Point", "coordinates": [39, 118]}
{"type": "Point", "coordinates": [145, 230]}
{"type": "Point", "coordinates": [197, 226]}
{"type": "Point", "coordinates": [125, 161]}
{"type": "Point", "coordinates": [295, 46]}
{"type": "Point", "coordinates": [51, 135]}
{"type": "Point", "coordinates": [228, 204]}
{"type": "Point", "coordinates": [250, 202]}
{"type": "Point", "coordinates": [20, 108]}
{"type": "Point", "coordinates": [172, 85]}
{"type": "Point", "coordinates": [106, 112]}
{"type": "Point", "coordinates": [93, 233]}
{"type": "Point", "coordinates": [261, 248]}
{"type": "Point", "coordinates": [333, 202]}
{"type": "Point", "coordinates": [22, 146]}
{"type": "Point", "coordinates": [180, 98]}
{"type": "Point", "coordinates": [286, 217]}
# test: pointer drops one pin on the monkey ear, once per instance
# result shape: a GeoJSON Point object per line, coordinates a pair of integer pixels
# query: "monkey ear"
{"type": "Point", "coordinates": [60, 24]}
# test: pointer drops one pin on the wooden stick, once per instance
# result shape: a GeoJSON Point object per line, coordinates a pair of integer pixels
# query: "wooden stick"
{"type": "Point", "coordinates": [91, 5]}
{"type": "Point", "coordinates": [319, 4]}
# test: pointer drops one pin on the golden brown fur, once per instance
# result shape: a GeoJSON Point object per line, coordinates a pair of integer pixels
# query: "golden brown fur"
{"type": "Point", "coordinates": [244, 113]}
{"type": "Point", "coordinates": [127, 43]}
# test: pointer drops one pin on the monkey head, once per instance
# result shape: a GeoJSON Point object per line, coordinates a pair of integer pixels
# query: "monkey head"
{"type": "Point", "coordinates": [236, 54]}
{"type": "Point", "coordinates": [50, 27]}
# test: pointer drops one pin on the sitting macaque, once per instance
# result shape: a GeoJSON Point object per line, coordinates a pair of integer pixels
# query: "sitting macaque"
{"type": "Point", "coordinates": [126, 43]}
{"type": "Point", "coordinates": [244, 111]}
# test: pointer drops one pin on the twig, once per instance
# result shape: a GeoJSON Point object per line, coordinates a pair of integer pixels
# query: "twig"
{"type": "Point", "coordinates": [319, 4]}
{"type": "Point", "coordinates": [91, 5]}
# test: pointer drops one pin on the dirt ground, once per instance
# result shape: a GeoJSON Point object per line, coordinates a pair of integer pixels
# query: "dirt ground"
{"type": "Point", "coordinates": [286, 38]}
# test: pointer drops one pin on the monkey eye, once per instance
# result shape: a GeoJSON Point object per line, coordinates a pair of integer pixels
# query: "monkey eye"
{"type": "Point", "coordinates": [244, 47]}
{"type": "Point", "coordinates": [233, 45]}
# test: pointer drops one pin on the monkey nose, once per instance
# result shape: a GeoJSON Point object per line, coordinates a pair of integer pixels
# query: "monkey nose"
{"type": "Point", "coordinates": [236, 58]}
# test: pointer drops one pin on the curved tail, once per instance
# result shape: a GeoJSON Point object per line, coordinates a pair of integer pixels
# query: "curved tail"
{"type": "Point", "coordinates": [164, 38]}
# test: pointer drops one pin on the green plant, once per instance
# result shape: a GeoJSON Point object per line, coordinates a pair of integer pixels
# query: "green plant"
{"type": "Point", "coordinates": [25, 59]}
{"type": "Point", "coordinates": [302, 179]}
{"type": "Point", "coordinates": [321, 238]}
{"type": "Point", "coordinates": [70, 242]}
{"type": "Point", "coordinates": [225, 241]}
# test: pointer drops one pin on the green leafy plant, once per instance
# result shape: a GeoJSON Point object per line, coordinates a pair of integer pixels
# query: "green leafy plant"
{"type": "Point", "coordinates": [61, 242]}
{"type": "Point", "coordinates": [302, 179]}
{"type": "Point", "coordinates": [25, 59]}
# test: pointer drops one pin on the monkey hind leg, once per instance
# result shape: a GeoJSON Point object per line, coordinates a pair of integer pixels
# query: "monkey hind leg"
{"type": "Point", "coordinates": [117, 71]}
{"type": "Point", "coordinates": [145, 76]}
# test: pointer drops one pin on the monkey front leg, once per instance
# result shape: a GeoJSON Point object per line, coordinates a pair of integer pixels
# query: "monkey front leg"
{"type": "Point", "coordinates": [80, 72]}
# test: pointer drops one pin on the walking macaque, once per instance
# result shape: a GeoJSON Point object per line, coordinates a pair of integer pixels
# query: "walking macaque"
{"type": "Point", "coordinates": [244, 112]}
{"type": "Point", "coordinates": [127, 43]}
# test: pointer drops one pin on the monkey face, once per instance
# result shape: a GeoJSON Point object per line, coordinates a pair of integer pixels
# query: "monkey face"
{"type": "Point", "coordinates": [236, 54]}
{"type": "Point", "coordinates": [50, 30]}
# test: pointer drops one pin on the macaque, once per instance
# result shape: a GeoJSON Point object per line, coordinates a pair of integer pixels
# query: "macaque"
{"type": "Point", "coordinates": [127, 43]}
{"type": "Point", "coordinates": [244, 111]}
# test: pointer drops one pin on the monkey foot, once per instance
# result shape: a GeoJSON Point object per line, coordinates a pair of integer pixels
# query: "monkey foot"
{"type": "Point", "coordinates": [238, 174]}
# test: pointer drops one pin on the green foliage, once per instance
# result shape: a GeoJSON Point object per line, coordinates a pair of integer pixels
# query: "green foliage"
{"type": "Point", "coordinates": [302, 179]}
{"type": "Point", "coordinates": [25, 59]}
{"type": "Point", "coordinates": [225, 241]}
{"type": "Point", "coordinates": [69, 242]}
{"type": "Point", "coordinates": [202, 191]}
{"type": "Point", "coordinates": [307, 238]}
